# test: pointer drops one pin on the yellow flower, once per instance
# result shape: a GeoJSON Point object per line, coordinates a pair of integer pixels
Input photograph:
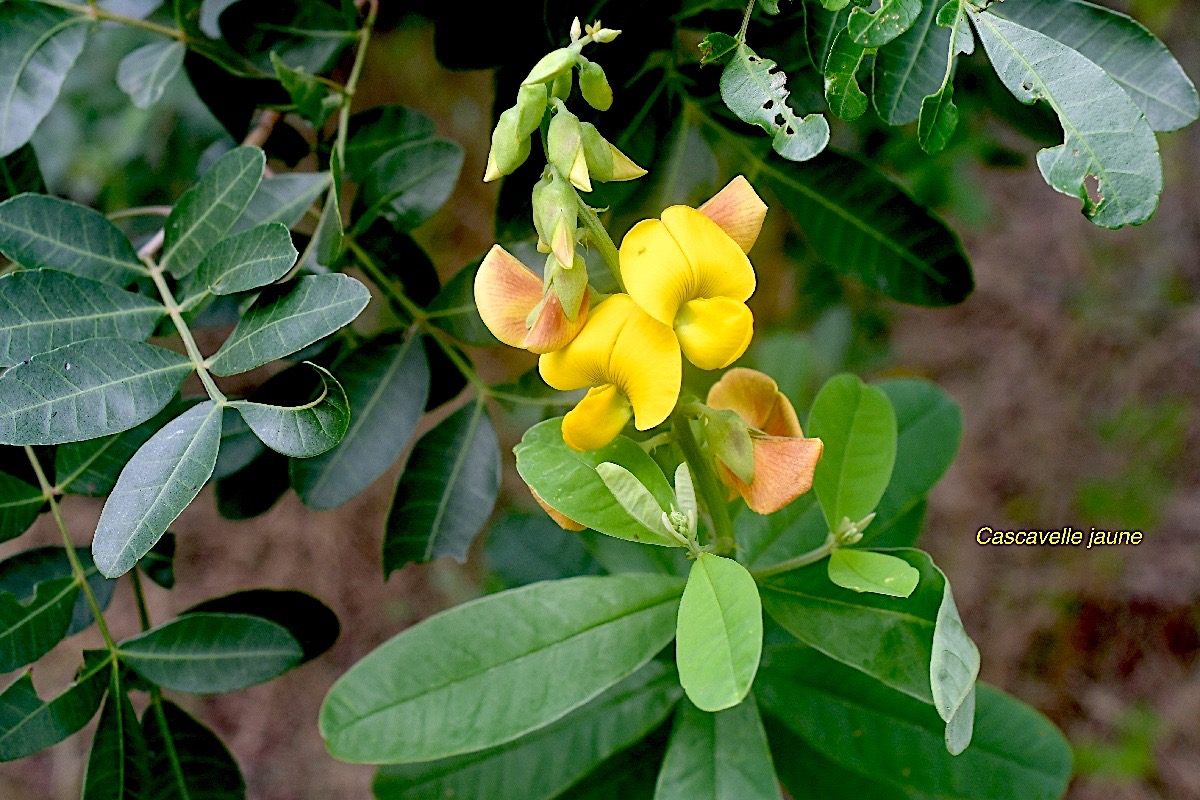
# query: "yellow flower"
{"type": "Point", "coordinates": [517, 310]}
{"type": "Point", "coordinates": [784, 460]}
{"type": "Point", "coordinates": [632, 364]}
{"type": "Point", "coordinates": [689, 270]}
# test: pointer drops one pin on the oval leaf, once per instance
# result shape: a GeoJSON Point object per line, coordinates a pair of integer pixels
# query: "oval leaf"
{"type": "Point", "coordinates": [187, 759]}
{"type": "Point", "coordinates": [411, 181]}
{"type": "Point", "coordinates": [301, 431]}
{"type": "Point", "coordinates": [145, 72]}
{"type": "Point", "coordinates": [757, 95]}
{"type": "Point", "coordinates": [877, 573]}
{"type": "Point", "coordinates": [282, 198]}
{"type": "Point", "coordinates": [45, 232]}
{"type": "Point", "coordinates": [244, 261]}
{"type": "Point", "coordinates": [23, 573]}
{"type": "Point", "coordinates": [118, 766]}
{"type": "Point", "coordinates": [20, 504]}
{"type": "Point", "coordinates": [911, 67]}
{"type": "Point", "coordinates": [310, 622]}
{"type": "Point", "coordinates": [523, 659]}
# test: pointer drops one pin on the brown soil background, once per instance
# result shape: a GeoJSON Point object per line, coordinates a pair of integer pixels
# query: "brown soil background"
{"type": "Point", "coordinates": [1068, 324]}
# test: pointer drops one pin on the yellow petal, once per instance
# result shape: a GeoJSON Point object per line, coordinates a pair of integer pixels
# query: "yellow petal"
{"type": "Point", "coordinates": [624, 169]}
{"type": "Point", "coordinates": [738, 210]}
{"type": "Point", "coordinates": [721, 268]}
{"type": "Point", "coordinates": [714, 332]}
{"type": "Point", "coordinates": [553, 329]}
{"type": "Point", "coordinates": [506, 292]}
{"type": "Point", "coordinates": [579, 172]}
{"type": "Point", "coordinates": [562, 519]}
{"type": "Point", "coordinates": [756, 398]}
{"type": "Point", "coordinates": [783, 470]}
{"type": "Point", "coordinates": [597, 419]}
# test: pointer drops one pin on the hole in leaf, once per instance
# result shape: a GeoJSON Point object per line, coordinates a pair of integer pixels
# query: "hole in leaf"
{"type": "Point", "coordinates": [767, 105]}
{"type": "Point", "coordinates": [780, 119]}
{"type": "Point", "coordinates": [790, 131]}
{"type": "Point", "coordinates": [1027, 85]}
{"type": "Point", "coordinates": [1091, 185]}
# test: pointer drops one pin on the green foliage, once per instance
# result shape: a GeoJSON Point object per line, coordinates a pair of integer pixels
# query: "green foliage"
{"type": "Point", "coordinates": [755, 92]}
{"type": "Point", "coordinates": [32, 229]}
{"type": "Point", "coordinates": [186, 758]}
{"type": "Point", "coordinates": [29, 724]}
{"type": "Point", "coordinates": [145, 73]}
{"type": "Point", "coordinates": [118, 766]}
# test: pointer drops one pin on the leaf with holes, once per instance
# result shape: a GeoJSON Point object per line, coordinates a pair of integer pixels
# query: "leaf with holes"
{"type": "Point", "coordinates": [1107, 139]}
{"type": "Point", "coordinates": [29, 724]}
{"type": "Point", "coordinates": [877, 28]}
{"type": "Point", "coordinates": [446, 492]}
{"type": "Point", "coordinates": [301, 431]}
{"type": "Point", "coordinates": [145, 73]}
{"type": "Point", "coordinates": [45, 232]}
{"type": "Point", "coordinates": [757, 94]}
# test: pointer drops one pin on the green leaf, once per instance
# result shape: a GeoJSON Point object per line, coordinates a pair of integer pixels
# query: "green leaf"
{"type": "Point", "coordinates": [145, 73]}
{"type": "Point", "coordinates": [159, 563]}
{"type": "Point", "coordinates": [254, 489]}
{"type": "Point", "coordinates": [411, 181]}
{"type": "Point", "coordinates": [863, 224]}
{"type": "Point", "coordinates": [722, 756]}
{"type": "Point", "coordinates": [910, 67]}
{"type": "Point", "coordinates": [858, 427]}
{"type": "Point", "coordinates": [821, 27]}
{"type": "Point", "coordinates": [91, 467]}
{"type": "Point", "coordinates": [118, 767]}
{"type": "Point", "coordinates": [309, 621]}
{"type": "Point", "coordinates": [157, 484]}
{"type": "Point", "coordinates": [524, 548]}
{"type": "Point", "coordinates": [938, 120]}
{"type": "Point", "coordinates": [446, 492]}
{"type": "Point", "coordinates": [767, 539]}
{"type": "Point", "coordinates": [847, 736]}
{"type": "Point", "coordinates": [301, 431]}
{"type": "Point", "coordinates": [206, 212]}
{"type": "Point", "coordinates": [45, 232]}
{"type": "Point", "coordinates": [21, 574]}
{"type": "Point", "coordinates": [284, 322]}
{"type": "Point", "coordinates": [187, 760]}
{"type": "Point", "coordinates": [19, 172]}
{"type": "Point", "coordinates": [567, 480]}
{"type": "Point", "coordinates": [311, 99]}
{"type": "Point", "coordinates": [757, 95]}
{"type": "Point", "coordinates": [1131, 55]}
{"type": "Point", "coordinates": [929, 428]}
{"type": "Point", "coordinates": [454, 311]}
{"type": "Point", "coordinates": [523, 659]}
{"type": "Point", "coordinates": [720, 630]}
{"type": "Point", "coordinates": [628, 775]}
{"type": "Point", "coordinates": [282, 198]}
{"type": "Point", "coordinates": [386, 383]}
{"type": "Point", "coordinates": [845, 97]}
{"type": "Point", "coordinates": [1106, 136]}
{"type": "Point", "coordinates": [877, 573]}
{"type": "Point", "coordinates": [715, 47]}
{"type": "Point", "coordinates": [377, 130]}
{"type": "Point", "coordinates": [20, 504]}
{"type": "Point", "coordinates": [541, 765]}
{"type": "Point", "coordinates": [877, 28]}
{"type": "Point", "coordinates": [247, 260]}
{"type": "Point", "coordinates": [28, 630]}
{"type": "Point", "coordinates": [207, 653]}
{"type": "Point", "coordinates": [38, 49]}
{"type": "Point", "coordinates": [28, 724]}
{"type": "Point", "coordinates": [88, 389]}
{"type": "Point", "coordinates": [44, 309]}
{"type": "Point", "coordinates": [619, 556]}
{"type": "Point", "coordinates": [329, 237]}
{"type": "Point", "coordinates": [635, 498]}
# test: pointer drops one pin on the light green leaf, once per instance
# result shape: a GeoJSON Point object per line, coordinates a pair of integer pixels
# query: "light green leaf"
{"type": "Point", "coordinates": [23, 573]}
{"type": "Point", "coordinates": [685, 490]}
{"type": "Point", "coordinates": [87, 389]}
{"type": "Point", "coordinates": [1106, 136]}
{"type": "Point", "coordinates": [45, 232]}
{"type": "Point", "coordinates": [41, 310]}
{"type": "Point", "coordinates": [938, 120]}
{"type": "Point", "coordinates": [380, 129]}
{"type": "Point", "coordinates": [207, 653]}
{"type": "Point", "coordinates": [845, 97]}
{"type": "Point", "coordinates": [757, 95]}
{"type": "Point", "coordinates": [910, 67]}
{"type": "Point", "coordinates": [719, 639]}
{"type": "Point", "coordinates": [245, 261]}
{"type": "Point", "coordinates": [954, 664]}
{"type": "Point", "coordinates": [281, 323]}
{"type": "Point", "coordinates": [145, 73]}
{"type": "Point", "coordinates": [878, 573]}
{"type": "Point", "coordinates": [567, 480]}
{"type": "Point", "coordinates": [858, 427]}
{"type": "Point", "coordinates": [446, 492]}
{"type": "Point", "coordinates": [206, 212]}
{"type": "Point", "coordinates": [38, 49]}
{"type": "Point", "coordinates": [29, 724]}
{"type": "Point", "coordinates": [960, 728]}
{"type": "Point", "coordinates": [301, 431]}
{"type": "Point", "coordinates": [157, 484]}
{"type": "Point", "coordinates": [282, 198]}
{"type": "Point", "coordinates": [187, 760]}
{"type": "Point", "coordinates": [118, 767]}
{"type": "Point", "coordinates": [386, 383]}
{"type": "Point", "coordinates": [634, 498]}
{"type": "Point", "coordinates": [848, 736]}
{"type": "Point", "coordinates": [541, 765]}
{"type": "Point", "coordinates": [722, 756]}
{"type": "Point", "coordinates": [1131, 55]}
{"type": "Point", "coordinates": [877, 28]}
{"type": "Point", "coordinates": [91, 467]}
{"type": "Point", "coordinates": [410, 182]}
{"type": "Point", "coordinates": [29, 629]}
{"type": "Point", "coordinates": [619, 556]}
{"type": "Point", "coordinates": [20, 504]}
{"type": "Point", "coordinates": [523, 659]}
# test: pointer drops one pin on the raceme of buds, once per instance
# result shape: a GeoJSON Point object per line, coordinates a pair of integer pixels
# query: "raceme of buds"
{"type": "Point", "coordinates": [510, 139]}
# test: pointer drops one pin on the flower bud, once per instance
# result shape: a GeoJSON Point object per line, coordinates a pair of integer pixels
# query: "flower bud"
{"type": "Point", "coordinates": [604, 161]}
{"type": "Point", "coordinates": [601, 34]}
{"type": "Point", "coordinates": [551, 66]}
{"type": "Point", "coordinates": [556, 217]}
{"type": "Point", "coordinates": [564, 142]}
{"type": "Point", "coordinates": [570, 283]}
{"type": "Point", "coordinates": [729, 437]}
{"type": "Point", "coordinates": [561, 87]}
{"type": "Point", "coordinates": [531, 107]}
{"type": "Point", "coordinates": [576, 30]}
{"type": "Point", "coordinates": [509, 149]}
{"type": "Point", "coordinates": [593, 83]}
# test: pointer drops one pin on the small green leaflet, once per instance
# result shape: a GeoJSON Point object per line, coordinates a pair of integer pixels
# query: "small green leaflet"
{"type": "Point", "coordinates": [29, 629]}
{"type": "Point", "coordinates": [878, 573]}
{"type": "Point", "coordinates": [939, 116]}
{"type": "Point", "coordinates": [410, 182]}
{"type": "Point", "coordinates": [118, 766]}
{"type": "Point", "coordinates": [842, 92]}
{"type": "Point", "coordinates": [635, 499]}
{"type": "Point", "coordinates": [282, 198]}
{"type": "Point", "coordinates": [32, 227]}
{"type": "Point", "coordinates": [303, 431]}
{"type": "Point", "coordinates": [20, 504]}
{"type": "Point", "coordinates": [247, 260]}
{"type": "Point", "coordinates": [145, 73]}
{"type": "Point", "coordinates": [756, 93]}
{"type": "Point", "coordinates": [312, 99]}
{"type": "Point", "coordinates": [875, 29]}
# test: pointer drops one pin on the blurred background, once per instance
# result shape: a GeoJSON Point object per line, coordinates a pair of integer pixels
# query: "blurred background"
{"type": "Point", "coordinates": [1076, 362]}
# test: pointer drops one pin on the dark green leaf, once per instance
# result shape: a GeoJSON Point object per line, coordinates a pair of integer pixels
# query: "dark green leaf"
{"type": "Point", "coordinates": [86, 390]}
{"type": "Point", "coordinates": [41, 310]}
{"type": "Point", "coordinates": [454, 310]}
{"type": "Point", "coordinates": [411, 181]}
{"type": "Point", "coordinates": [247, 260]}
{"type": "Point", "coordinates": [157, 484]}
{"type": "Point", "coordinates": [28, 724]}
{"type": "Point", "coordinates": [21, 574]}
{"type": "Point", "coordinates": [159, 563]}
{"type": "Point", "coordinates": [206, 212]}
{"type": "Point", "coordinates": [301, 431]}
{"type": "Point", "coordinates": [525, 548]}
{"type": "Point", "coordinates": [255, 489]}
{"type": "Point", "coordinates": [911, 67]}
{"type": "Point", "coordinates": [722, 756]}
{"type": "Point", "coordinates": [310, 622]}
{"type": "Point", "coordinates": [541, 765]}
{"type": "Point", "coordinates": [38, 49]}
{"type": "Point", "coordinates": [446, 492]}
{"type": "Point", "coordinates": [303, 33]}
{"type": "Point", "coordinates": [767, 539]}
{"type": "Point", "coordinates": [187, 760]}
{"type": "Point", "coordinates": [209, 653]}
{"type": "Point", "coordinates": [20, 504]}
{"type": "Point", "coordinates": [629, 775]}
{"type": "Point", "coordinates": [239, 446]}
{"type": "Point", "coordinates": [387, 383]}
{"type": "Point", "coordinates": [45, 232]}
{"type": "Point", "coordinates": [118, 767]}
{"type": "Point", "coordinates": [312, 99]}
{"type": "Point", "coordinates": [821, 28]}
{"type": "Point", "coordinates": [523, 659]}
{"type": "Point", "coordinates": [377, 130]}
{"type": "Point", "coordinates": [279, 324]}
{"type": "Point", "coordinates": [618, 556]}
{"type": "Point", "coordinates": [19, 172]}
{"type": "Point", "coordinates": [845, 97]}
{"type": "Point", "coordinates": [91, 467]}
{"type": "Point", "coordinates": [282, 198]}
{"type": "Point", "coordinates": [757, 95]}
{"type": "Point", "coordinates": [145, 73]}
{"type": "Point", "coordinates": [1106, 136]}
{"type": "Point", "coordinates": [28, 630]}
{"type": "Point", "coordinates": [877, 28]}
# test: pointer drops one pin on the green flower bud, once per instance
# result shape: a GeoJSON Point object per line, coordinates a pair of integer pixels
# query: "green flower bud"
{"type": "Point", "coordinates": [509, 148]}
{"type": "Point", "coordinates": [531, 107]}
{"type": "Point", "coordinates": [593, 83]}
{"type": "Point", "coordinates": [605, 35]}
{"type": "Point", "coordinates": [605, 162]}
{"type": "Point", "coordinates": [729, 437]}
{"type": "Point", "coordinates": [551, 66]}
{"type": "Point", "coordinates": [564, 143]}
{"type": "Point", "coordinates": [568, 282]}
{"type": "Point", "coordinates": [561, 87]}
{"type": "Point", "coordinates": [556, 217]}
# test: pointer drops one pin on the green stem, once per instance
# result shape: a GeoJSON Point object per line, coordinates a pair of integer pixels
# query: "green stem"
{"type": "Point", "coordinates": [802, 560]}
{"type": "Point", "coordinates": [741, 35]}
{"type": "Point", "coordinates": [185, 333]}
{"type": "Point", "coordinates": [135, 577]}
{"type": "Point", "coordinates": [360, 56]}
{"type": "Point", "coordinates": [96, 12]}
{"type": "Point", "coordinates": [600, 237]}
{"type": "Point", "coordinates": [707, 484]}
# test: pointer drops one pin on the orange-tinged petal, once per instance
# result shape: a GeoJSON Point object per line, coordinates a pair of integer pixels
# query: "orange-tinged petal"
{"type": "Point", "coordinates": [562, 519]}
{"type": "Point", "coordinates": [597, 419]}
{"type": "Point", "coordinates": [738, 210]}
{"type": "Point", "coordinates": [783, 470]}
{"type": "Point", "coordinates": [506, 291]}
{"type": "Point", "coordinates": [553, 329]}
{"type": "Point", "coordinates": [756, 398]}
{"type": "Point", "coordinates": [714, 332]}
